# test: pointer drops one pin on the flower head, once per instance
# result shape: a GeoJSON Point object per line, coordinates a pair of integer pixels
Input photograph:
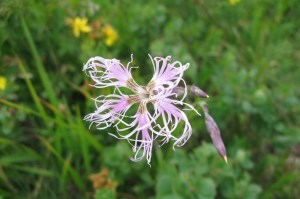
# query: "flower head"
{"type": "Point", "coordinates": [79, 25]}
{"type": "Point", "coordinates": [159, 94]}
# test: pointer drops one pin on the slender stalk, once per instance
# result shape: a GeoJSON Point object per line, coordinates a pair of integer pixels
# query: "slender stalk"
{"type": "Point", "coordinates": [38, 64]}
{"type": "Point", "coordinates": [84, 143]}
{"type": "Point", "coordinates": [33, 92]}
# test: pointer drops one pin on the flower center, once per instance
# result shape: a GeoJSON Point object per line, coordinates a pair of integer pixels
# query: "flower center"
{"type": "Point", "coordinates": [143, 93]}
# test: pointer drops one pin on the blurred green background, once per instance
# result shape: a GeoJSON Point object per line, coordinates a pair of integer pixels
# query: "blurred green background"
{"type": "Point", "coordinates": [245, 54]}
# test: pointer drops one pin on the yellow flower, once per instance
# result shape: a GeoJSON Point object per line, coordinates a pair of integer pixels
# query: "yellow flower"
{"type": "Point", "coordinates": [233, 2]}
{"type": "Point", "coordinates": [79, 25]}
{"type": "Point", "coordinates": [111, 35]}
{"type": "Point", "coordinates": [2, 83]}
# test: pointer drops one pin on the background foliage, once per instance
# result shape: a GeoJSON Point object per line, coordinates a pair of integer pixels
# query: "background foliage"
{"type": "Point", "coordinates": [244, 54]}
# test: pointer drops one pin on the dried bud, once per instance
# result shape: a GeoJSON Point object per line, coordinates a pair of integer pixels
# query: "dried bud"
{"type": "Point", "coordinates": [215, 134]}
{"type": "Point", "coordinates": [100, 180]}
{"type": "Point", "coordinates": [198, 92]}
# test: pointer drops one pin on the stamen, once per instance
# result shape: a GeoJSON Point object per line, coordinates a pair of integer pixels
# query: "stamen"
{"type": "Point", "coordinates": [132, 85]}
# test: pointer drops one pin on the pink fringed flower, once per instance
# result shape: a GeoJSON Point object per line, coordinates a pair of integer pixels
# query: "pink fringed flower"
{"type": "Point", "coordinates": [145, 125]}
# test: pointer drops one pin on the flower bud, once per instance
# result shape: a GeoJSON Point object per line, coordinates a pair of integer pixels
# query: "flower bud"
{"type": "Point", "coordinates": [178, 90]}
{"type": "Point", "coordinates": [215, 134]}
{"type": "Point", "coordinates": [198, 92]}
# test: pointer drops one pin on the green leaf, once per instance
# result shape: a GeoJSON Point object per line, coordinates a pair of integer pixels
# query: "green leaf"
{"type": "Point", "coordinates": [105, 193]}
{"type": "Point", "coordinates": [205, 188]}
